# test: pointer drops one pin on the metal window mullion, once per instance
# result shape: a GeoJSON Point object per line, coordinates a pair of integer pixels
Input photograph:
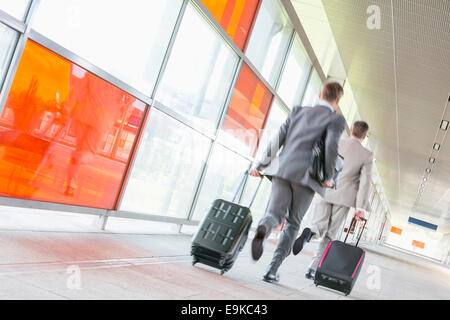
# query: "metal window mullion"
{"type": "Point", "coordinates": [182, 119]}
{"type": "Point", "coordinates": [218, 28]}
{"type": "Point", "coordinates": [284, 60]}
{"type": "Point", "coordinates": [169, 47]}
{"type": "Point", "coordinates": [12, 22]}
{"type": "Point", "coordinates": [131, 160]}
{"type": "Point", "coordinates": [200, 181]}
{"type": "Point", "coordinates": [88, 66]}
{"type": "Point", "coordinates": [131, 163]}
{"type": "Point", "coordinates": [222, 118]}
{"type": "Point", "coordinates": [308, 79]}
{"type": "Point", "coordinates": [14, 62]}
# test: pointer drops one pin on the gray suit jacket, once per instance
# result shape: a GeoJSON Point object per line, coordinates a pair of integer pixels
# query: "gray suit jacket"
{"type": "Point", "coordinates": [353, 183]}
{"type": "Point", "coordinates": [297, 136]}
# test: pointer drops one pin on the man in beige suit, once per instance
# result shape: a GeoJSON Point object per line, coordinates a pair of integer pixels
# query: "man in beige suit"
{"type": "Point", "coordinates": [352, 190]}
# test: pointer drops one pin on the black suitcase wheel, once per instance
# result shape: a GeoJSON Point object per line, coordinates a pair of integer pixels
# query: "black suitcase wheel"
{"type": "Point", "coordinates": [222, 272]}
{"type": "Point", "coordinates": [194, 261]}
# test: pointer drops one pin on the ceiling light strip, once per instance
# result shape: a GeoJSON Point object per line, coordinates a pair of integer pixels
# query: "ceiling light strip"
{"type": "Point", "coordinates": [396, 95]}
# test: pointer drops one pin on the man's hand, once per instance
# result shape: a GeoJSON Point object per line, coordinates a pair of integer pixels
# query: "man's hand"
{"type": "Point", "coordinates": [255, 173]}
{"type": "Point", "coordinates": [359, 214]}
{"type": "Point", "coordinates": [328, 184]}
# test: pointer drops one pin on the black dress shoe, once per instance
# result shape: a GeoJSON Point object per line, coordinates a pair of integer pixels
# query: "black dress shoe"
{"type": "Point", "coordinates": [270, 277]}
{"type": "Point", "coordinates": [306, 236]}
{"type": "Point", "coordinates": [257, 243]}
{"type": "Point", "coordinates": [311, 274]}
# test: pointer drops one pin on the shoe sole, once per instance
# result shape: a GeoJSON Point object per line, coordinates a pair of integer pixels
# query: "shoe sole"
{"type": "Point", "coordinates": [257, 247]}
{"type": "Point", "coordinates": [270, 280]}
{"type": "Point", "coordinates": [298, 244]}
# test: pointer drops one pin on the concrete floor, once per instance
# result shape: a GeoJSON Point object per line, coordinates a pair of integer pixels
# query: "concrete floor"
{"type": "Point", "coordinates": [105, 265]}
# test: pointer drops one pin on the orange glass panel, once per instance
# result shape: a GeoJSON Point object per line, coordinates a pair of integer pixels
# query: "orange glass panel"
{"type": "Point", "coordinates": [248, 109]}
{"type": "Point", "coordinates": [65, 135]}
{"type": "Point", "coordinates": [396, 230]}
{"type": "Point", "coordinates": [418, 244]}
{"type": "Point", "coordinates": [235, 17]}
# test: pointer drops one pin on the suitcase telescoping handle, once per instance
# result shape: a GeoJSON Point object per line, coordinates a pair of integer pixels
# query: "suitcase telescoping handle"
{"type": "Point", "coordinates": [360, 233]}
{"type": "Point", "coordinates": [246, 173]}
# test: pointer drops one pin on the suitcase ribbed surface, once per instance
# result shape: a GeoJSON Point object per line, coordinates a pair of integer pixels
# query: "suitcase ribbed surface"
{"type": "Point", "coordinates": [223, 227]}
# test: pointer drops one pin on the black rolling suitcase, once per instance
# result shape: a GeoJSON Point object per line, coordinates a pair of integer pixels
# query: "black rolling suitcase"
{"type": "Point", "coordinates": [223, 233]}
{"type": "Point", "coordinates": [340, 264]}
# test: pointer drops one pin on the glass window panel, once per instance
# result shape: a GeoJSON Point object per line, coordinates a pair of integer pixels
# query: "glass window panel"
{"type": "Point", "coordinates": [17, 8]}
{"type": "Point", "coordinates": [295, 75]}
{"type": "Point", "coordinates": [8, 40]}
{"type": "Point", "coordinates": [276, 118]}
{"type": "Point", "coordinates": [199, 73]}
{"type": "Point", "coordinates": [247, 112]}
{"type": "Point", "coordinates": [235, 17]}
{"type": "Point", "coordinates": [269, 40]}
{"type": "Point", "coordinates": [262, 198]}
{"type": "Point", "coordinates": [224, 173]}
{"type": "Point", "coordinates": [128, 41]}
{"type": "Point", "coordinates": [311, 97]}
{"type": "Point", "coordinates": [166, 168]}
{"type": "Point", "coordinates": [65, 134]}
{"type": "Point", "coordinates": [345, 104]}
{"type": "Point", "coordinates": [352, 115]}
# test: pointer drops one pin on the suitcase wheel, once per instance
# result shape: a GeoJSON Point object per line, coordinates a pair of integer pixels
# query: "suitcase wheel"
{"type": "Point", "coordinates": [194, 261]}
{"type": "Point", "coordinates": [222, 272]}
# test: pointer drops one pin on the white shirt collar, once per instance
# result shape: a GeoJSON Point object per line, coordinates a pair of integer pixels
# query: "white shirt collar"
{"type": "Point", "coordinates": [326, 104]}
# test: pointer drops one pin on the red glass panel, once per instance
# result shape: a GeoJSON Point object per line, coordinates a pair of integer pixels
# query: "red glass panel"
{"type": "Point", "coordinates": [248, 109]}
{"type": "Point", "coordinates": [235, 17]}
{"type": "Point", "coordinates": [65, 134]}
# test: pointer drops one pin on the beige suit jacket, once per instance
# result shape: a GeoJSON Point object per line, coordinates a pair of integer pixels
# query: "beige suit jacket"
{"type": "Point", "coordinates": [353, 183]}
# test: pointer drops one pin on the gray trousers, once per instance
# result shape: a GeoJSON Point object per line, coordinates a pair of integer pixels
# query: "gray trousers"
{"type": "Point", "coordinates": [290, 201]}
{"type": "Point", "coordinates": [326, 222]}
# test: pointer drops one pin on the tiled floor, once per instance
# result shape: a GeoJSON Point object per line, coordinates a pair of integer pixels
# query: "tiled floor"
{"type": "Point", "coordinates": [87, 265]}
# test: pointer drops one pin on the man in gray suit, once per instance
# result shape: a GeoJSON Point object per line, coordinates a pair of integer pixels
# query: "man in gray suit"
{"type": "Point", "coordinates": [352, 191]}
{"type": "Point", "coordinates": [293, 188]}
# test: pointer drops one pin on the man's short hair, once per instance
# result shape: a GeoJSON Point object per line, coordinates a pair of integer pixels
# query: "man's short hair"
{"type": "Point", "coordinates": [360, 128]}
{"type": "Point", "coordinates": [332, 91]}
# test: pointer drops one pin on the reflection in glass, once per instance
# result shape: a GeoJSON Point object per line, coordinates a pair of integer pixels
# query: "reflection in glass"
{"type": "Point", "coordinates": [128, 41]}
{"type": "Point", "coordinates": [17, 8]}
{"type": "Point", "coordinates": [199, 73]}
{"type": "Point", "coordinates": [225, 171]}
{"type": "Point", "coordinates": [295, 75]}
{"type": "Point", "coordinates": [65, 134]}
{"type": "Point", "coordinates": [8, 40]}
{"type": "Point", "coordinates": [234, 16]}
{"type": "Point", "coordinates": [269, 40]}
{"type": "Point", "coordinates": [166, 168]}
{"type": "Point", "coordinates": [247, 113]}
{"type": "Point", "coordinates": [311, 97]}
